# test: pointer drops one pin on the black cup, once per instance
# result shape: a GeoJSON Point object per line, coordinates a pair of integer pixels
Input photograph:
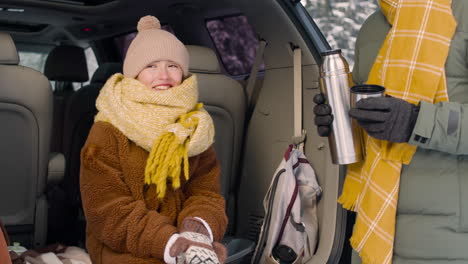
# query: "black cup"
{"type": "Point", "coordinates": [284, 254]}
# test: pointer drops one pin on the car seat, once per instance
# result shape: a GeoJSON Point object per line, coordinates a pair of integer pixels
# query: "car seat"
{"type": "Point", "coordinates": [225, 99]}
{"type": "Point", "coordinates": [26, 115]}
{"type": "Point", "coordinates": [64, 65]}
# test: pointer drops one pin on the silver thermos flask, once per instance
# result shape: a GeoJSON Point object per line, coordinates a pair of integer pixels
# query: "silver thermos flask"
{"type": "Point", "coordinates": [335, 83]}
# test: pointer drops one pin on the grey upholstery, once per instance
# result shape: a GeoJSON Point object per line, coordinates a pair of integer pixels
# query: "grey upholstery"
{"type": "Point", "coordinates": [225, 100]}
{"type": "Point", "coordinates": [26, 118]}
{"type": "Point", "coordinates": [8, 54]}
{"type": "Point", "coordinates": [203, 60]}
{"type": "Point", "coordinates": [56, 168]}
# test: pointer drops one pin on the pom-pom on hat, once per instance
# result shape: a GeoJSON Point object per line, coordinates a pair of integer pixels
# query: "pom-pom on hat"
{"type": "Point", "coordinates": [153, 44]}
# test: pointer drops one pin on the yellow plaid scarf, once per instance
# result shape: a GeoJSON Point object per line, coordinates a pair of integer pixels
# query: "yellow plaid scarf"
{"type": "Point", "coordinates": [168, 124]}
{"type": "Point", "coordinates": [410, 65]}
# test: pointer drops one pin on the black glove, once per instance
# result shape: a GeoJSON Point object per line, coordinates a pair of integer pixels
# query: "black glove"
{"type": "Point", "coordinates": [386, 118]}
{"type": "Point", "coordinates": [323, 115]}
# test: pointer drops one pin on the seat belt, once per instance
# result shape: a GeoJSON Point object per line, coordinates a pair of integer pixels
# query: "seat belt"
{"type": "Point", "coordinates": [299, 133]}
{"type": "Point", "coordinates": [251, 90]}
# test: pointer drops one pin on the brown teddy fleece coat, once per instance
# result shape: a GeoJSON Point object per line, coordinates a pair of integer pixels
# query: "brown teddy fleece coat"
{"type": "Point", "coordinates": [125, 221]}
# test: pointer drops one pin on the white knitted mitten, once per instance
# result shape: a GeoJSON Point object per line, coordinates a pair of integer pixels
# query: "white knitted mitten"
{"type": "Point", "coordinates": [200, 250]}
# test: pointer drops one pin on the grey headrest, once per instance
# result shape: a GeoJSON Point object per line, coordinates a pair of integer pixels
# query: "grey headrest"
{"type": "Point", "coordinates": [105, 71]}
{"type": "Point", "coordinates": [66, 63]}
{"type": "Point", "coordinates": [202, 59]}
{"type": "Point", "coordinates": [8, 53]}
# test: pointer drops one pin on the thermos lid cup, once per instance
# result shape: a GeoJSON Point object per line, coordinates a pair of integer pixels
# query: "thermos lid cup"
{"type": "Point", "coordinates": [363, 91]}
{"type": "Point", "coordinates": [367, 89]}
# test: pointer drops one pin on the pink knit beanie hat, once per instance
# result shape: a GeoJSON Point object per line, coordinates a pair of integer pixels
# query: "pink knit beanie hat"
{"type": "Point", "coordinates": [153, 44]}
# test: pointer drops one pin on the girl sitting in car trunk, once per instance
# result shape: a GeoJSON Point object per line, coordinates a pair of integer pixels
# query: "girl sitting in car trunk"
{"type": "Point", "coordinates": [149, 174]}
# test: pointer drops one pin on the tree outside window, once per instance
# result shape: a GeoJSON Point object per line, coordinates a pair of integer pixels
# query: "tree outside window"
{"type": "Point", "coordinates": [340, 21]}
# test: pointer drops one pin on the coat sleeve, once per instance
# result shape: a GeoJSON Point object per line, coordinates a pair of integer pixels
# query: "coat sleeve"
{"type": "Point", "coordinates": [204, 197]}
{"type": "Point", "coordinates": [113, 215]}
{"type": "Point", "coordinates": [443, 127]}
{"type": "Point", "coordinates": [368, 43]}
{"type": "Point", "coordinates": [356, 76]}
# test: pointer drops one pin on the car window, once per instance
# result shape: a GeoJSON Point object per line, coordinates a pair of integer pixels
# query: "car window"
{"type": "Point", "coordinates": [36, 60]}
{"type": "Point", "coordinates": [33, 59]}
{"type": "Point", "coordinates": [236, 43]}
{"type": "Point", "coordinates": [340, 21]}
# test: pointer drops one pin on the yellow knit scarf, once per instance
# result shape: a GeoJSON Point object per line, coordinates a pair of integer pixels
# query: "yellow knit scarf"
{"type": "Point", "coordinates": [410, 65]}
{"type": "Point", "coordinates": [169, 124]}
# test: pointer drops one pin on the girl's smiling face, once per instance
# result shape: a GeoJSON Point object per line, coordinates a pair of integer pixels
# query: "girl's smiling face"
{"type": "Point", "coordinates": [161, 75]}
